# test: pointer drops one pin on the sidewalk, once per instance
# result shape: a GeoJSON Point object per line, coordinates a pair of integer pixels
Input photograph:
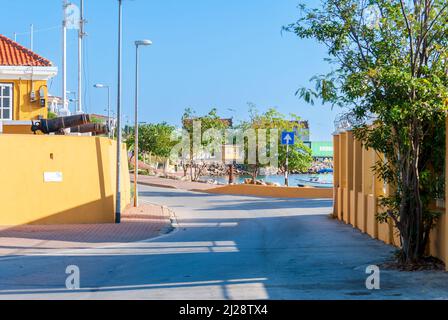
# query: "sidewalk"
{"type": "Point", "coordinates": [173, 184]}
{"type": "Point", "coordinates": [138, 224]}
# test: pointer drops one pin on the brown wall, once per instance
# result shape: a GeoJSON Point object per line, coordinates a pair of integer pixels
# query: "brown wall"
{"type": "Point", "coordinates": [17, 128]}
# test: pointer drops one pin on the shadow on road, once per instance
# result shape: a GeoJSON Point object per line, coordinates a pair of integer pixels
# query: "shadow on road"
{"type": "Point", "coordinates": [297, 255]}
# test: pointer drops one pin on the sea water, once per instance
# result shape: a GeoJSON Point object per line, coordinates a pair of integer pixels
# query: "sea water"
{"type": "Point", "coordinates": [313, 180]}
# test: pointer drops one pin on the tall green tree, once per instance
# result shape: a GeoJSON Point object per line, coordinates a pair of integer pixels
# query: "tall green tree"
{"type": "Point", "coordinates": [154, 139]}
{"type": "Point", "coordinates": [390, 64]}
{"type": "Point", "coordinates": [199, 142]}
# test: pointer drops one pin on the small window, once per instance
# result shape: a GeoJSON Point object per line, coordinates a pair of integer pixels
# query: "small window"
{"type": "Point", "coordinates": [5, 101]}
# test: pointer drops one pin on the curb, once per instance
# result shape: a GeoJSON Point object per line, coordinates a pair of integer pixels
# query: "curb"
{"type": "Point", "coordinates": [149, 184]}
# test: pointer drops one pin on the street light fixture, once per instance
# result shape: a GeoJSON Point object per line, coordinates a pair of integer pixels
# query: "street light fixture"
{"type": "Point", "coordinates": [102, 86]}
{"type": "Point", "coordinates": [73, 99]}
{"type": "Point", "coordinates": [137, 45]}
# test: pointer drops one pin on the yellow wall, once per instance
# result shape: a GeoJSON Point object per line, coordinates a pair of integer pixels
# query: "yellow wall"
{"type": "Point", "coordinates": [23, 108]}
{"type": "Point", "coordinates": [357, 183]}
{"type": "Point", "coordinates": [336, 175]}
{"type": "Point", "coordinates": [361, 213]}
{"type": "Point", "coordinates": [86, 194]}
{"type": "Point", "coordinates": [348, 215]}
{"type": "Point", "coordinates": [275, 192]}
{"type": "Point", "coordinates": [357, 188]}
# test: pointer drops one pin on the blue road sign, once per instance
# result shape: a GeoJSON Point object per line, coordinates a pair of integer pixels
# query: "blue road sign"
{"type": "Point", "coordinates": [288, 138]}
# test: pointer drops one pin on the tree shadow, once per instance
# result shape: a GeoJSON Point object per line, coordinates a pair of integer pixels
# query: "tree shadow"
{"type": "Point", "coordinates": [321, 259]}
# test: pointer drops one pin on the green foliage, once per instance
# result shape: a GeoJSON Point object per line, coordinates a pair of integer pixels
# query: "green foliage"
{"type": "Point", "coordinates": [274, 123]}
{"type": "Point", "coordinates": [211, 137]}
{"type": "Point", "coordinates": [154, 139]}
{"type": "Point", "coordinates": [299, 157]}
{"type": "Point", "coordinates": [209, 121]}
{"type": "Point", "coordinates": [392, 75]}
{"type": "Point", "coordinates": [51, 115]}
{"type": "Point", "coordinates": [96, 120]}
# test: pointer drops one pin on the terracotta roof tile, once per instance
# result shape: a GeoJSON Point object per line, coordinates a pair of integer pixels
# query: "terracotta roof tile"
{"type": "Point", "coordinates": [14, 54]}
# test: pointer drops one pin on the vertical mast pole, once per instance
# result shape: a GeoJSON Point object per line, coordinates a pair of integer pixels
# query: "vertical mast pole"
{"type": "Point", "coordinates": [32, 37]}
{"type": "Point", "coordinates": [64, 58]}
{"type": "Point", "coordinates": [80, 57]}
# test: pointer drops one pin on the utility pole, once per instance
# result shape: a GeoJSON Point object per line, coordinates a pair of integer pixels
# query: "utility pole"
{"type": "Point", "coordinates": [81, 35]}
{"type": "Point", "coordinates": [109, 123]}
{"type": "Point", "coordinates": [64, 57]}
{"type": "Point", "coordinates": [136, 150]}
{"type": "Point", "coordinates": [287, 139]}
{"type": "Point", "coordinates": [287, 166]}
{"type": "Point", "coordinates": [231, 173]}
{"type": "Point", "coordinates": [32, 37]}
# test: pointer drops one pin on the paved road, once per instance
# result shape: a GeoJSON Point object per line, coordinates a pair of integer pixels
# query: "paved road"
{"type": "Point", "coordinates": [225, 247]}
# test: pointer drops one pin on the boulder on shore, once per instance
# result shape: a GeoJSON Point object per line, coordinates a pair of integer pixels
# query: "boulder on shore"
{"type": "Point", "coordinates": [273, 184]}
{"type": "Point", "coordinates": [248, 181]}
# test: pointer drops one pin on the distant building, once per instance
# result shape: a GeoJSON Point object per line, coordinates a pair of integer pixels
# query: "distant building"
{"type": "Point", "coordinates": [56, 104]}
{"type": "Point", "coordinates": [304, 133]}
{"type": "Point", "coordinates": [103, 119]}
{"type": "Point", "coordinates": [302, 130]}
{"type": "Point", "coordinates": [322, 149]}
{"type": "Point", "coordinates": [99, 117]}
{"type": "Point", "coordinates": [205, 155]}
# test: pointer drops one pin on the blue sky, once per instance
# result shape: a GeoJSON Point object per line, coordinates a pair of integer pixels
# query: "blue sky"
{"type": "Point", "coordinates": [206, 53]}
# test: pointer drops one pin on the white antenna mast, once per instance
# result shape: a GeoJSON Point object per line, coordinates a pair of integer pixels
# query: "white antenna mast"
{"type": "Point", "coordinates": [81, 35]}
{"type": "Point", "coordinates": [32, 37]}
{"type": "Point", "coordinates": [64, 59]}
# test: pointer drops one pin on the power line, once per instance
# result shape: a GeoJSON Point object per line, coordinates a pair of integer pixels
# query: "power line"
{"type": "Point", "coordinates": [36, 31]}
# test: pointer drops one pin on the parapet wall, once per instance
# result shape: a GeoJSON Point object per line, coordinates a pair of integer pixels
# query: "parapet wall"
{"type": "Point", "coordinates": [357, 191]}
{"type": "Point", "coordinates": [59, 180]}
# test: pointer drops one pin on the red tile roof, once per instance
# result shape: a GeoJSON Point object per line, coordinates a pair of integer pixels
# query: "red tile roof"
{"type": "Point", "coordinates": [13, 54]}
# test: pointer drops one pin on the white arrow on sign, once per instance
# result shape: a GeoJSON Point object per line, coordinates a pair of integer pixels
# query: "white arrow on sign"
{"type": "Point", "coordinates": [288, 139]}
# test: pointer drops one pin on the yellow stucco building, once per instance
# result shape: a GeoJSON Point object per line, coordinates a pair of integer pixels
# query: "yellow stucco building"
{"type": "Point", "coordinates": [23, 86]}
{"type": "Point", "coordinates": [49, 179]}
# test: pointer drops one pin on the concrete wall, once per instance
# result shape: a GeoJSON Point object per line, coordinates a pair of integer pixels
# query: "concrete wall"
{"type": "Point", "coordinates": [86, 193]}
{"type": "Point", "coordinates": [357, 191]}
{"type": "Point", "coordinates": [274, 192]}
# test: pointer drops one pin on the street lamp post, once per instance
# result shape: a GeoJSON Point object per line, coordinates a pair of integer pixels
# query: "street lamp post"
{"type": "Point", "coordinates": [136, 150]}
{"type": "Point", "coordinates": [119, 137]}
{"type": "Point", "coordinates": [102, 86]}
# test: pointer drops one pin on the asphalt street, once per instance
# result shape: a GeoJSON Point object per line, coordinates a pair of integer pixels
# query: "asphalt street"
{"type": "Point", "coordinates": [225, 247]}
